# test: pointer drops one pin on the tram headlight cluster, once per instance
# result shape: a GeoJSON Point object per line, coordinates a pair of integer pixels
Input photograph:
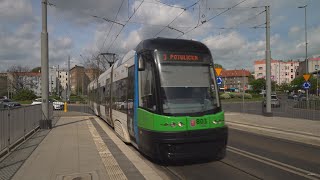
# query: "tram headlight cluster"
{"type": "Point", "coordinates": [218, 121]}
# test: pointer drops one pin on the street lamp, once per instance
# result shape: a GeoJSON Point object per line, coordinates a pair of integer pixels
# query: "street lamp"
{"type": "Point", "coordinates": [305, 30]}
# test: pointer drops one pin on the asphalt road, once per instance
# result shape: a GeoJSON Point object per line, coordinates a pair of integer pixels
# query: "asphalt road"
{"type": "Point", "coordinates": [251, 156]}
{"type": "Point", "coordinates": [286, 109]}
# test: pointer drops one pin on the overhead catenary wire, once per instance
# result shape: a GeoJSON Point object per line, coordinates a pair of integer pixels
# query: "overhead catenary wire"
{"type": "Point", "coordinates": [242, 22]}
{"type": "Point", "coordinates": [176, 18]}
{"type": "Point", "coordinates": [203, 22]}
{"type": "Point", "coordinates": [111, 27]}
{"type": "Point", "coordinates": [124, 25]}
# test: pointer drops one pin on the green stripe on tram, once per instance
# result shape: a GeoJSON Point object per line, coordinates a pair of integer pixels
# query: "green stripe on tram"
{"type": "Point", "coordinates": [155, 122]}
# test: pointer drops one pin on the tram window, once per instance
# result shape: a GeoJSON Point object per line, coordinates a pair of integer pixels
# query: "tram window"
{"type": "Point", "coordinates": [148, 88]}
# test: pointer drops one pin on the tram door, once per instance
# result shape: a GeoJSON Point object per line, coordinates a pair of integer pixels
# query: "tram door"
{"type": "Point", "coordinates": [130, 95]}
{"type": "Point", "coordinates": [108, 100]}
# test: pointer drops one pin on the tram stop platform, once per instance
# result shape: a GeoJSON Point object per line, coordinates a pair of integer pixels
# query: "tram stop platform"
{"type": "Point", "coordinates": [83, 147]}
{"type": "Point", "coordinates": [76, 148]}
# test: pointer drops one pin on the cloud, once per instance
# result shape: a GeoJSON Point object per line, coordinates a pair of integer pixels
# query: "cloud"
{"type": "Point", "coordinates": [73, 30]}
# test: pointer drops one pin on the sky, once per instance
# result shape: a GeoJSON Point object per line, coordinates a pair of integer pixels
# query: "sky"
{"type": "Point", "coordinates": [83, 28]}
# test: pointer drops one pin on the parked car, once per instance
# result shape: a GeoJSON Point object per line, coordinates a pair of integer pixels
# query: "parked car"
{"type": "Point", "coordinates": [9, 103]}
{"type": "Point", "coordinates": [275, 102]}
{"type": "Point", "coordinates": [57, 105]}
{"type": "Point", "coordinates": [302, 97]}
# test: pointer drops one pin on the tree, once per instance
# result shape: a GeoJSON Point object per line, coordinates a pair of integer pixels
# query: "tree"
{"type": "Point", "coordinates": [250, 78]}
{"type": "Point", "coordinates": [16, 78]}
{"type": "Point", "coordinates": [297, 83]}
{"type": "Point", "coordinates": [24, 94]}
{"type": "Point", "coordinates": [260, 84]}
{"type": "Point", "coordinates": [36, 69]}
{"type": "Point", "coordinates": [218, 66]}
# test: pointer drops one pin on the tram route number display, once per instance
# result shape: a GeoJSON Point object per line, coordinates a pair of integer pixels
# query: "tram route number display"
{"type": "Point", "coordinates": [181, 57]}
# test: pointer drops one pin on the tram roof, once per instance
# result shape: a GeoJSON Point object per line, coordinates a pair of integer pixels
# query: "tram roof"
{"type": "Point", "coordinates": [168, 44]}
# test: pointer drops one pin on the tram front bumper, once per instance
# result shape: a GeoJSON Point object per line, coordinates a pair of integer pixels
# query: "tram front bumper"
{"type": "Point", "coordinates": [189, 145]}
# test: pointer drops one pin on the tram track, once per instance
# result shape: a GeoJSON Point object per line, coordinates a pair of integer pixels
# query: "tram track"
{"type": "Point", "coordinates": [283, 166]}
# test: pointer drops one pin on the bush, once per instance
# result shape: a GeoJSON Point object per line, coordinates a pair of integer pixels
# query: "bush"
{"type": "Point", "coordinates": [24, 95]}
{"type": "Point", "coordinates": [247, 96]}
{"type": "Point", "coordinates": [225, 96]}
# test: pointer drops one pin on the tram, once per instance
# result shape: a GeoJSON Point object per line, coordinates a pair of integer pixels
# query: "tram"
{"type": "Point", "coordinates": [162, 97]}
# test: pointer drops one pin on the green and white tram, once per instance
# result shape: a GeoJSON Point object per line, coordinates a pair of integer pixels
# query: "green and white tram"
{"type": "Point", "coordinates": [163, 98]}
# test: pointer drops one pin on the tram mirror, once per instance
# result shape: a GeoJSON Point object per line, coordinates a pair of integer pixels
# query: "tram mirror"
{"type": "Point", "coordinates": [141, 64]}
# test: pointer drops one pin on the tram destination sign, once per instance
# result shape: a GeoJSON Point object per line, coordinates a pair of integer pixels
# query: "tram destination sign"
{"type": "Point", "coordinates": [183, 57]}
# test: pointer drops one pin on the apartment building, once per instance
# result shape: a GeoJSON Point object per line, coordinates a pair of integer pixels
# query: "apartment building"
{"type": "Point", "coordinates": [281, 71]}
{"type": "Point", "coordinates": [235, 80]}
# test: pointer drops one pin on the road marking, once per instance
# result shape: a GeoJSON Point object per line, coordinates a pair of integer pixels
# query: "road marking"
{"type": "Point", "coordinates": [112, 167]}
{"type": "Point", "coordinates": [280, 165]}
{"type": "Point", "coordinates": [273, 128]}
{"type": "Point", "coordinates": [146, 171]}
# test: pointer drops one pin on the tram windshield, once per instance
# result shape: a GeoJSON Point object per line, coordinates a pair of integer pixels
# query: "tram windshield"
{"type": "Point", "coordinates": [187, 89]}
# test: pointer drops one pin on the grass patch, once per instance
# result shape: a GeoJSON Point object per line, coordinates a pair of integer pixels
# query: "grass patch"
{"type": "Point", "coordinates": [26, 102]}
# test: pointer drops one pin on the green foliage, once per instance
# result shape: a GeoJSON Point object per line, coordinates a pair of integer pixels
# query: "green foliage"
{"type": "Point", "coordinates": [225, 96]}
{"type": "Point", "coordinates": [296, 84]}
{"type": "Point", "coordinates": [260, 84]}
{"type": "Point", "coordinates": [247, 96]}
{"type": "Point", "coordinates": [235, 96]}
{"type": "Point", "coordinates": [218, 66]}
{"type": "Point", "coordinates": [36, 69]}
{"type": "Point", "coordinates": [24, 95]}
{"type": "Point", "coordinates": [250, 78]}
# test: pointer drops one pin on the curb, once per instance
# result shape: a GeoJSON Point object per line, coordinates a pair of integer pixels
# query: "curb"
{"type": "Point", "coordinates": [300, 137]}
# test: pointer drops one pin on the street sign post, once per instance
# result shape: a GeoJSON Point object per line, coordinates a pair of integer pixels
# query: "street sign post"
{"type": "Point", "coordinates": [306, 85]}
{"type": "Point", "coordinates": [218, 71]}
{"type": "Point", "coordinates": [219, 80]}
{"type": "Point", "coordinates": [306, 77]}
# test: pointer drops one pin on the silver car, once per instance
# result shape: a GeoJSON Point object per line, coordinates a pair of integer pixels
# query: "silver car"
{"type": "Point", "coordinates": [275, 102]}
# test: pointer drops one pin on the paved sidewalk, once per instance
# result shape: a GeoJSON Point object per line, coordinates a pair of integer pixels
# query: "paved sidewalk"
{"type": "Point", "coordinates": [299, 130]}
{"type": "Point", "coordinates": [78, 148]}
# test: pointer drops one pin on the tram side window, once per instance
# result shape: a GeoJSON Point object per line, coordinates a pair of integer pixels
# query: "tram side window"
{"type": "Point", "coordinates": [119, 93]}
{"type": "Point", "coordinates": [148, 88]}
{"type": "Point", "coordinates": [107, 97]}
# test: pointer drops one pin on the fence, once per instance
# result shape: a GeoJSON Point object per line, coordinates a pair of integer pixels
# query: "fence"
{"type": "Point", "coordinates": [288, 108]}
{"type": "Point", "coordinates": [17, 124]}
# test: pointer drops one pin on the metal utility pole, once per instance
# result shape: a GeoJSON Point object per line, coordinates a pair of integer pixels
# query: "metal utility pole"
{"type": "Point", "coordinates": [68, 88]}
{"type": "Point", "coordinates": [46, 122]}
{"type": "Point", "coordinates": [268, 64]}
{"type": "Point", "coordinates": [305, 31]}
{"type": "Point", "coordinates": [58, 83]}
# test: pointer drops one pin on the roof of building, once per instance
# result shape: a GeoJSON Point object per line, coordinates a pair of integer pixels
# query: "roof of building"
{"type": "Point", "coordinates": [263, 61]}
{"type": "Point", "coordinates": [235, 73]}
{"type": "Point", "coordinates": [314, 59]}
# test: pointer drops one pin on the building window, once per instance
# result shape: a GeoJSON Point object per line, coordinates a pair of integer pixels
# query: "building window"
{"type": "Point", "coordinates": [297, 73]}
{"type": "Point", "coordinates": [316, 67]}
{"type": "Point", "coordinates": [291, 76]}
{"type": "Point", "coordinates": [291, 70]}
{"type": "Point", "coordinates": [291, 64]}
{"type": "Point", "coordinates": [260, 68]}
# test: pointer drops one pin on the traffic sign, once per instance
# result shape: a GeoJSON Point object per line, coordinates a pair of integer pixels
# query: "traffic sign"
{"type": "Point", "coordinates": [306, 77]}
{"type": "Point", "coordinates": [306, 85]}
{"type": "Point", "coordinates": [219, 80]}
{"type": "Point", "coordinates": [218, 71]}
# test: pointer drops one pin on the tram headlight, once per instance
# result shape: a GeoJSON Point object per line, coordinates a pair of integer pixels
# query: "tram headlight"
{"type": "Point", "coordinates": [180, 124]}
{"type": "Point", "coordinates": [173, 124]}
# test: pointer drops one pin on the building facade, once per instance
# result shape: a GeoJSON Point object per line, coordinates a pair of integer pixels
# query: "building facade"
{"type": "Point", "coordinates": [281, 71]}
{"type": "Point", "coordinates": [235, 80]}
{"type": "Point", "coordinates": [313, 66]}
